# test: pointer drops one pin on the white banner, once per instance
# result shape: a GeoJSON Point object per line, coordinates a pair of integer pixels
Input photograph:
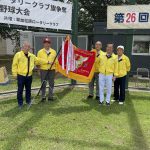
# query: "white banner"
{"type": "Point", "coordinates": [36, 13]}
{"type": "Point", "coordinates": [128, 17]}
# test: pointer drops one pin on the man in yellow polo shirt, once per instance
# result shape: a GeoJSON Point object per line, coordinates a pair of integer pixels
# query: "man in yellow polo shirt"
{"type": "Point", "coordinates": [22, 68]}
{"type": "Point", "coordinates": [46, 71]}
{"type": "Point", "coordinates": [108, 70]}
{"type": "Point", "coordinates": [123, 68]}
{"type": "Point", "coordinates": [99, 52]}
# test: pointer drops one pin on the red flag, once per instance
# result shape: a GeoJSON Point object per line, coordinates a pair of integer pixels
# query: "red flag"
{"type": "Point", "coordinates": [84, 63]}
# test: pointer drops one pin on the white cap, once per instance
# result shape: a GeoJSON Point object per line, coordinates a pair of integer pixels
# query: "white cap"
{"type": "Point", "coordinates": [120, 46]}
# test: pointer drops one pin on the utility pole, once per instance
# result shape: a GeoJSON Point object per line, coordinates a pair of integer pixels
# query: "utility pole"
{"type": "Point", "coordinates": [75, 27]}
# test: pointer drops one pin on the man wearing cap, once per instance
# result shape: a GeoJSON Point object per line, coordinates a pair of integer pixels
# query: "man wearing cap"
{"type": "Point", "coordinates": [98, 51]}
{"type": "Point", "coordinates": [108, 70]}
{"type": "Point", "coordinates": [22, 68]}
{"type": "Point", "coordinates": [123, 68]}
{"type": "Point", "coordinates": [46, 71]}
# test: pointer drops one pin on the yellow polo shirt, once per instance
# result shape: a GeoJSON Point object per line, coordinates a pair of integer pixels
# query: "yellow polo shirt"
{"type": "Point", "coordinates": [124, 66]}
{"type": "Point", "coordinates": [96, 59]}
{"type": "Point", "coordinates": [108, 66]}
{"type": "Point", "coordinates": [48, 57]}
{"type": "Point", "coordinates": [24, 65]}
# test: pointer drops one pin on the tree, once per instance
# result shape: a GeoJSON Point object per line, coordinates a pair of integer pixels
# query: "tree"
{"type": "Point", "coordinates": [6, 32]}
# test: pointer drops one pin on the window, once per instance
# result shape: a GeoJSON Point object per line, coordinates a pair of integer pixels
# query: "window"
{"type": "Point", "coordinates": [57, 41]}
{"type": "Point", "coordinates": [141, 45]}
{"type": "Point", "coordinates": [83, 42]}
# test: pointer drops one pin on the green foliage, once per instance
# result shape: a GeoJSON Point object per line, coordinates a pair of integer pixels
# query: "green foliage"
{"type": "Point", "coordinates": [10, 33]}
{"type": "Point", "coordinates": [6, 32]}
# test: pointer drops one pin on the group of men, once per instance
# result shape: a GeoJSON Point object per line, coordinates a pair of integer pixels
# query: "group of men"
{"type": "Point", "coordinates": [108, 68]}
{"type": "Point", "coordinates": [22, 69]}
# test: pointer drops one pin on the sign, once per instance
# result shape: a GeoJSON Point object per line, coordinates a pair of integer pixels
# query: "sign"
{"type": "Point", "coordinates": [36, 13]}
{"type": "Point", "coordinates": [84, 63]}
{"type": "Point", "coordinates": [128, 17]}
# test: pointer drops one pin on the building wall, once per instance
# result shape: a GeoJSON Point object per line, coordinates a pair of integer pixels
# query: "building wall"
{"type": "Point", "coordinates": [10, 47]}
{"type": "Point", "coordinates": [140, 62]}
{"type": "Point", "coordinates": [6, 47]}
{"type": "Point", "coordinates": [3, 49]}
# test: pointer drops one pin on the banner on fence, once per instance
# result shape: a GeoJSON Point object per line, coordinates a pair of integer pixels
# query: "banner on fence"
{"type": "Point", "coordinates": [76, 63]}
{"type": "Point", "coordinates": [36, 13]}
{"type": "Point", "coordinates": [128, 17]}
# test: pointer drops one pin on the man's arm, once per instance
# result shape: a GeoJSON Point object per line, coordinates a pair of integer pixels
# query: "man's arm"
{"type": "Point", "coordinates": [39, 61]}
{"type": "Point", "coordinates": [116, 68]}
{"type": "Point", "coordinates": [128, 64]}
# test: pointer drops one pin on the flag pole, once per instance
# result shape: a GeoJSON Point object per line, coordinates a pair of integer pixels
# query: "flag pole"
{"type": "Point", "coordinates": [75, 28]}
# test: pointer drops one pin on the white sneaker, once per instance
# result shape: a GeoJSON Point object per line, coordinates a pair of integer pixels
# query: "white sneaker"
{"type": "Point", "coordinates": [113, 100]}
{"type": "Point", "coordinates": [121, 103]}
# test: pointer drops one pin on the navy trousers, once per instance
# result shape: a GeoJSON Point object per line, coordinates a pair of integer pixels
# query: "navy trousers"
{"type": "Point", "coordinates": [119, 89]}
{"type": "Point", "coordinates": [26, 82]}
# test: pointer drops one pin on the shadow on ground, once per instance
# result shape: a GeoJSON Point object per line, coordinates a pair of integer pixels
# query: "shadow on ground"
{"type": "Point", "coordinates": [140, 142]}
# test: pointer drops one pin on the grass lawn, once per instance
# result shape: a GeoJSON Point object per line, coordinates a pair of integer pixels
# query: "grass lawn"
{"type": "Point", "coordinates": [74, 123]}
